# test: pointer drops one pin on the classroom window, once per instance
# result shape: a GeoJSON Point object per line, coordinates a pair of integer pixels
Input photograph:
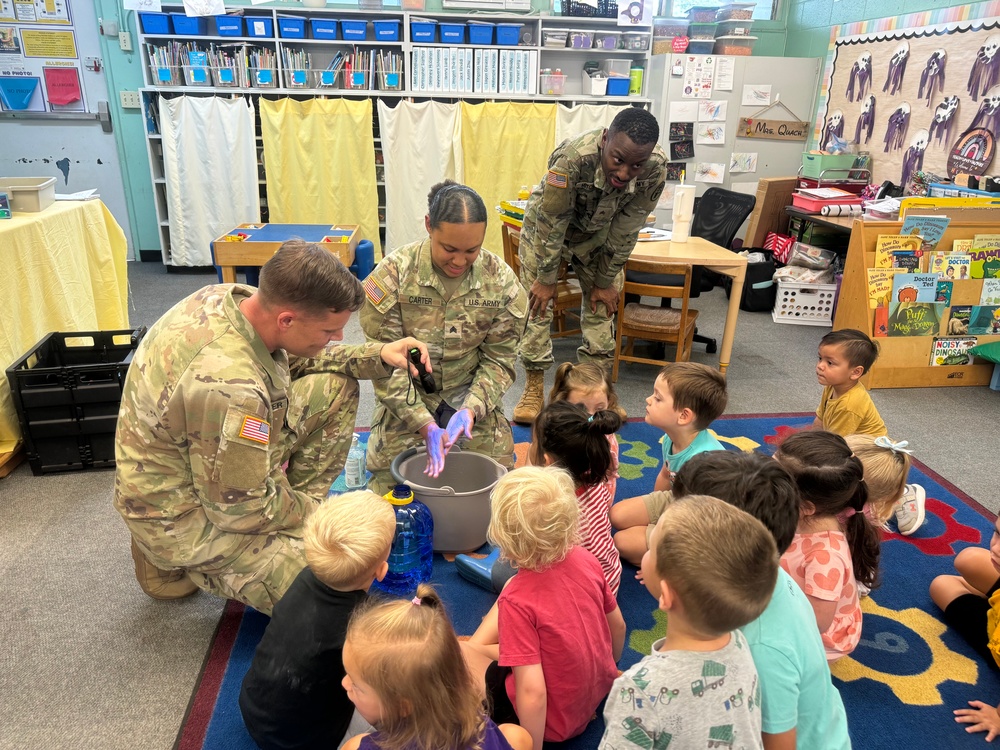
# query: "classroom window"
{"type": "Point", "coordinates": [765, 10]}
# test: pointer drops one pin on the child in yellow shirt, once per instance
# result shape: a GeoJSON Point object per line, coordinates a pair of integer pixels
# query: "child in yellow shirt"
{"type": "Point", "coordinates": [846, 408]}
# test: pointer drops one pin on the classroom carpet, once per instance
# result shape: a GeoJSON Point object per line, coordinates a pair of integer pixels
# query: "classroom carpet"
{"type": "Point", "coordinates": [899, 687]}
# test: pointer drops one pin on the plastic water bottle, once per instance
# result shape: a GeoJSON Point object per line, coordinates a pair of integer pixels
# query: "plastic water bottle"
{"type": "Point", "coordinates": [523, 194]}
{"type": "Point", "coordinates": [356, 468]}
{"type": "Point", "coordinates": [411, 559]}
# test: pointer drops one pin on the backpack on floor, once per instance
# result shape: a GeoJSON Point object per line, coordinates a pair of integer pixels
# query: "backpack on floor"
{"type": "Point", "coordinates": [759, 289]}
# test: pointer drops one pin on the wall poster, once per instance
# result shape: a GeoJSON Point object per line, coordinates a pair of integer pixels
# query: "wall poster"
{"type": "Point", "coordinates": [907, 95]}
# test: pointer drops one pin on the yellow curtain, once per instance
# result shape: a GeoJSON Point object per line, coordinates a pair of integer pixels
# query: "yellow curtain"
{"type": "Point", "coordinates": [319, 156]}
{"type": "Point", "coordinates": [504, 145]}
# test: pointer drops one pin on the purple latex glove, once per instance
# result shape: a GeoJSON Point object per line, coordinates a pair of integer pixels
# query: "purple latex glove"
{"type": "Point", "coordinates": [437, 446]}
{"type": "Point", "coordinates": [460, 423]}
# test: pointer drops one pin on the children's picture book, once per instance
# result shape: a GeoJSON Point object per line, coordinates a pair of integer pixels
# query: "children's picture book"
{"type": "Point", "coordinates": [944, 291]}
{"type": "Point", "coordinates": [907, 260]}
{"type": "Point", "coordinates": [914, 318]}
{"type": "Point", "coordinates": [958, 320]}
{"type": "Point", "coordinates": [886, 244]}
{"type": "Point", "coordinates": [986, 241]}
{"type": "Point", "coordinates": [961, 246]}
{"type": "Point", "coordinates": [984, 263]}
{"type": "Point", "coordinates": [914, 287]}
{"type": "Point", "coordinates": [985, 319]}
{"type": "Point", "coordinates": [949, 351]}
{"type": "Point", "coordinates": [4, 206]}
{"type": "Point", "coordinates": [991, 292]}
{"type": "Point", "coordinates": [929, 228]}
{"type": "Point", "coordinates": [880, 286]}
{"type": "Point", "coordinates": [958, 266]}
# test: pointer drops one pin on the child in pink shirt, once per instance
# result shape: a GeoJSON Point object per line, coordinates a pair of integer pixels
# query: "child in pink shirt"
{"type": "Point", "coordinates": [835, 547]}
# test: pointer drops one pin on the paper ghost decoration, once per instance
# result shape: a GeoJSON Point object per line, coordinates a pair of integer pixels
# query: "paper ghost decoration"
{"type": "Point", "coordinates": [943, 120]}
{"type": "Point", "coordinates": [834, 126]}
{"type": "Point", "coordinates": [861, 74]}
{"type": "Point", "coordinates": [988, 115]}
{"type": "Point", "coordinates": [985, 71]}
{"type": "Point", "coordinates": [897, 67]}
{"type": "Point", "coordinates": [933, 76]}
{"type": "Point", "coordinates": [896, 126]}
{"type": "Point", "coordinates": [866, 120]}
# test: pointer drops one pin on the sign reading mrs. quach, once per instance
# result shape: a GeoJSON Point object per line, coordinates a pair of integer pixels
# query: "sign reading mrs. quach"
{"type": "Point", "coordinates": [777, 130]}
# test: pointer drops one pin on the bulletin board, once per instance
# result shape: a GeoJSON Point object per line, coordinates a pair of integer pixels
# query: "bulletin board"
{"type": "Point", "coordinates": [907, 95]}
{"type": "Point", "coordinates": [40, 64]}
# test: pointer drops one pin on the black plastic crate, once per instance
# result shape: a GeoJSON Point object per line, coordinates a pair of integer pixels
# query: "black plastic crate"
{"type": "Point", "coordinates": [603, 9]}
{"type": "Point", "coordinates": [67, 391]}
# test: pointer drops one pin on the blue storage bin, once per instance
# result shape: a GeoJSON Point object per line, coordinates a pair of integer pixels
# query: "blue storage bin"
{"type": "Point", "coordinates": [292, 28]}
{"type": "Point", "coordinates": [386, 31]}
{"type": "Point", "coordinates": [452, 33]}
{"type": "Point", "coordinates": [188, 25]}
{"type": "Point", "coordinates": [422, 31]}
{"type": "Point", "coordinates": [618, 86]}
{"type": "Point", "coordinates": [229, 25]}
{"type": "Point", "coordinates": [480, 33]}
{"type": "Point", "coordinates": [354, 30]}
{"type": "Point", "coordinates": [155, 23]}
{"type": "Point", "coordinates": [323, 28]}
{"type": "Point", "coordinates": [508, 33]}
{"type": "Point", "coordinates": [260, 27]}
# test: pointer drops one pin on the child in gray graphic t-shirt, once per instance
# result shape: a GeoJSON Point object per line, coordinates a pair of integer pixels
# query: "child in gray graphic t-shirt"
{"type": "Point", "coordinates": [712, 568]}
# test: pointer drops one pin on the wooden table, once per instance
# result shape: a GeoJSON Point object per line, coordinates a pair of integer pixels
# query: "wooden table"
{"type": "Point", "coordinates": [700, 252]}
{"type": "Point", "coordinates": [261, 241]}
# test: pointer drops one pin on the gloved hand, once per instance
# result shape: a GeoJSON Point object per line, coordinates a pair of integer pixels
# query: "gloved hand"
{"type": "Point", "coordinates": [461, 422]}
{"type": "Point", "coordinates": [435, 439]}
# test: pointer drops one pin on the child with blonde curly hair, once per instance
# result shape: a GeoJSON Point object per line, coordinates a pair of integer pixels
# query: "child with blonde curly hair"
{"type": "Point", "coordinates": [550, 645]}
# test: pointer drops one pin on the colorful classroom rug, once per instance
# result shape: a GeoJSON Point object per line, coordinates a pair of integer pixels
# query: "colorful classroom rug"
{"type": "Point", "coordinates": [899, 686]}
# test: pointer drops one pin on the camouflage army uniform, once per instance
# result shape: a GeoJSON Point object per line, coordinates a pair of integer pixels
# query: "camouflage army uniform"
{"type": "Point", "coordinates": [589, 223]}
{"type": "Point", "coordinates": [208, 417]}
{"type": "Point", "coordinates": [472, 338]}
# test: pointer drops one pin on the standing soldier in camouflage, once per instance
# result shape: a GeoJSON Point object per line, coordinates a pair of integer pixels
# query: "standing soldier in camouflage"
{"type": "Point", "coordinates": [599, 189]}
{"type": "Point", "coordinates": [467, 304]}
{"type": "Point", "coordinates": [227, 387]}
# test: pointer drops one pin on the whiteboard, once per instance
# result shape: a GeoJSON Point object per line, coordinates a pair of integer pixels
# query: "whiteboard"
{"type": "Point", "coordinates": [796, 80]}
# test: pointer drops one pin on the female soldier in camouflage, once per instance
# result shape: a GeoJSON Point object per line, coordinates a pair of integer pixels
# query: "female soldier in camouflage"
{"type": "Point", "coordinates": [466, 304]}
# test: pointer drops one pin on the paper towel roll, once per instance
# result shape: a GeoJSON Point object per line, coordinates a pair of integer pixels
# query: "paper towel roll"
{"type": "Point", "coordinates": [841, 209]}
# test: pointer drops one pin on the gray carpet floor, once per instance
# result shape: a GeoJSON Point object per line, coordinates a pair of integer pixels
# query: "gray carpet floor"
{"type": "Point", "coordinates": [90, 662]}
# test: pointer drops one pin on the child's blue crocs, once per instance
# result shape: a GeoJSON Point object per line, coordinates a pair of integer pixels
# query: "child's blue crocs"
{"type": "Point", "coordinates": [478, 570]}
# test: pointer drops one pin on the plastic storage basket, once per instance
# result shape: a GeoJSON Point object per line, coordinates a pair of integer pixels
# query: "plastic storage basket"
{"type": "Point", "coordinates": [480, 32]}
{"type": "Point", "coordinates": [734, 45]}
{"type": "Point", "coordinates": [289, 28]}
{"type": "Point", "coordinates": [554, 37]}
{"type": "Point", "coordinates": [551, 84]}
{"type": "Point", "coordinates": [154, 23]}
{"type": "Point", "coordinates": [581, 39]}
{"type": "Point", "coordinates": [323, 28]}
{"type": "Point", "coordinates": [804, 304]}
{"type": "Point", "coordinates": [185, 25]}
{"type": "Point", "coordinates": [814, 164]}
{"type": "Point", "coordinates": [229, 25]}
{"type": "Point", "coordinates": [736, 12]}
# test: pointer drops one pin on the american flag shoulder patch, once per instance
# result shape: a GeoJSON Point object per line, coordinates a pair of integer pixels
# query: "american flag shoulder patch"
{"type": "Point", "coordinates": [255, 429]}
{"type": "Point", "coordinates": [375, 292]}
{"type": "Point", "coordinates": [556, 179]}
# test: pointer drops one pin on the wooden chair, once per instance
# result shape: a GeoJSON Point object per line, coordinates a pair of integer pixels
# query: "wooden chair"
{"type": "Point", "coordinates": [568, 297]}
{"type": "Point", "coordinates": [655, 323]}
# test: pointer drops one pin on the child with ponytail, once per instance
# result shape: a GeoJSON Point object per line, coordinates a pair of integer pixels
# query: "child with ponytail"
{"type": "Point", "coordinates": [835, 547]}
{"type": "Point", "coordinates": [589, 385]}
{"type": "Point", "coordinates": [565, 435]}
{"type": "Point", "coordinates": [407, 677]}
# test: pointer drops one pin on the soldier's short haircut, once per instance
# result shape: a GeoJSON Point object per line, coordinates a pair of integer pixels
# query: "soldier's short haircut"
{"type": "Point", "coordinates": [721, 562]}
{"type": "Point", "coordinates": [697, 387]}
{"type": "Point", "coordinates": [348, 537]}
{"type": "Point", "coordinates": [451, 203]}
{"type": "Point", "coordinates": [308, 277]}
{"type": "Point", "coordinates": [534, 516]}
{"type": "Point", "coordinates": [857, 347]}
{"type": "Point", "coordinates": [638, 124]}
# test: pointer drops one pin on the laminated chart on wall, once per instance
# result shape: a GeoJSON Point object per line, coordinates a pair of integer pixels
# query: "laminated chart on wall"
{"type": "Point", "coordinates": [39, 58]}
{"type": "Point", "coordinates": [699, 75]}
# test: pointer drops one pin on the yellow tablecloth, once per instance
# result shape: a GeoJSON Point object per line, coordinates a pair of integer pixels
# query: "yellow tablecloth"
{"type": "Point", "coordinates": [61, 269]}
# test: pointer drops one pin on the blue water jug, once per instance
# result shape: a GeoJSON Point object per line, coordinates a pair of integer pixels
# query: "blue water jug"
{"type": "Point", "coordinates": [411, 558]}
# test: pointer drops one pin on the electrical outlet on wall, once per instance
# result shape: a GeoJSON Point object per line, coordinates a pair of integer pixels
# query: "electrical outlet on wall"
{"type": "Point", "coordinates": [125, 41]}
{"type": "Point", "coordinates": [130, 99]}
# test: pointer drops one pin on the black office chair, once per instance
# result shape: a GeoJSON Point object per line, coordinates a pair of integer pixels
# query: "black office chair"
{"type": "Point", "coordinates": [718, 216]}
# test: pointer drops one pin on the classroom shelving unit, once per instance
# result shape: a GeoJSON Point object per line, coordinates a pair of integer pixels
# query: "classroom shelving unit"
{"type": "Point", "coordinates": [904, 361]}
{"type": "Point", "coordinates": [303, 83]}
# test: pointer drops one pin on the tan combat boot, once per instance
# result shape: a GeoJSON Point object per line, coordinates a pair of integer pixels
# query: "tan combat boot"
{"type": "Point", "coordinates": [532, 399]}
{"type": "Point", "coordinates": [160, 584]}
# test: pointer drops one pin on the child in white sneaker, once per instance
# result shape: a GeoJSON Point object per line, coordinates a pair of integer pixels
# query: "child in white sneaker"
{"type": "Point", "coordinates": [887, 464]}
